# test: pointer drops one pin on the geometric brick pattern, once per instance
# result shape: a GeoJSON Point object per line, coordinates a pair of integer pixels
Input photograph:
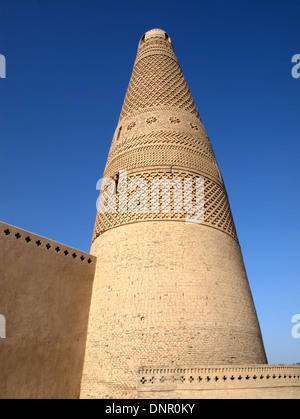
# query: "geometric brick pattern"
{"type": "Point", "coordinates": [168, 147]}
{"type": "Point", "coordinates": [157, 80]}
{"type": "Point", "coordinates": [217, 212]}
{"type": "Point", "coordinates": [160, 134]}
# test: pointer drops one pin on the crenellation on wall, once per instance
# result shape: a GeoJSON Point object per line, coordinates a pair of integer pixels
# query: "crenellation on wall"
{"type": "Point", "coordinates": [242, 381]}
{"type": "Point", "coordinates": [44, 244]}
{"type": "Point", "coordinates": [45, 293]}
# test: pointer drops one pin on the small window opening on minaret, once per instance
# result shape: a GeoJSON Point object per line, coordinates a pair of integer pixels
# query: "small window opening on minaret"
{"type": "Point", "coordinates": [116, 179]}
{"type": "Point", "coordinates": [119, 132]}
{"type": "Point", "coordinates": [143, 38]}
{"type": "Point", "coordinates": [167, 38]}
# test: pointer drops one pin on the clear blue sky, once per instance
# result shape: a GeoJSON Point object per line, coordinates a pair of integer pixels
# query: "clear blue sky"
{"type": "Point", "coordinates": [68, 67]}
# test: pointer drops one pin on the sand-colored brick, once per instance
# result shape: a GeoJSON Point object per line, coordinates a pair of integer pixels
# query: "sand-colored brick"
{"type": "Point", "coordinates": [166, 292]}
{"type": "Point", "coordinates": [45, 293]}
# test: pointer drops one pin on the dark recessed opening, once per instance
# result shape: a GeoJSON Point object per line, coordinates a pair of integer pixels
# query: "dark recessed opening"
{"type": "Point", "coordinates": [117, 181]}
{"type": "Point", "coordinates": [119, 133]}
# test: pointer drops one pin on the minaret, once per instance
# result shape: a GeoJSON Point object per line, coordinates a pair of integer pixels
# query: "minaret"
{"type": "Point", "coordinates": [170, 286]}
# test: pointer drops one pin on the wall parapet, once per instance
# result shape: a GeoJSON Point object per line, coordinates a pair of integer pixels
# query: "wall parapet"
{"type": "Point", "coordinates": [257, 381]}
{"type": "Point", "coordinates": [45, 295]}
{"type": "Point", "coordinates": [28, 238]}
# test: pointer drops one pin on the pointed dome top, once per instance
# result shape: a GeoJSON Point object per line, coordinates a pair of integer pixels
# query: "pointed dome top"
{"type": "Point", "coordinates": [153, 42]}
{"type": "Point", "coordinates": [155, 33]}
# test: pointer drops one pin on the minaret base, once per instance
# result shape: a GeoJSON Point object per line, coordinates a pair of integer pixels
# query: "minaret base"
{"type": "Point", "coordinates": [166, 293]}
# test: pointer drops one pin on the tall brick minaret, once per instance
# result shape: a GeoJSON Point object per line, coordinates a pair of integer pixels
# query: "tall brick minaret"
{"type": "Point", "coordinates": [170, 286]}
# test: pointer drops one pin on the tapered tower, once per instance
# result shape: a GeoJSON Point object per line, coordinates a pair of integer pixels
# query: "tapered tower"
{"type": "Point", "coordinates": [170, 286]}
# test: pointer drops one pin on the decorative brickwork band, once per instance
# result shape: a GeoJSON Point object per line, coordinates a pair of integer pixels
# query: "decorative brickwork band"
{"type": "Point", "coordinates": [217, 212]}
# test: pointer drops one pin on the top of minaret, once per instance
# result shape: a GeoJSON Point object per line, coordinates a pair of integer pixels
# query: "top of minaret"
{"type": "Point", "coordinates": [155, 33]}
{"type": "Point", "coordinates": [157, 80]}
